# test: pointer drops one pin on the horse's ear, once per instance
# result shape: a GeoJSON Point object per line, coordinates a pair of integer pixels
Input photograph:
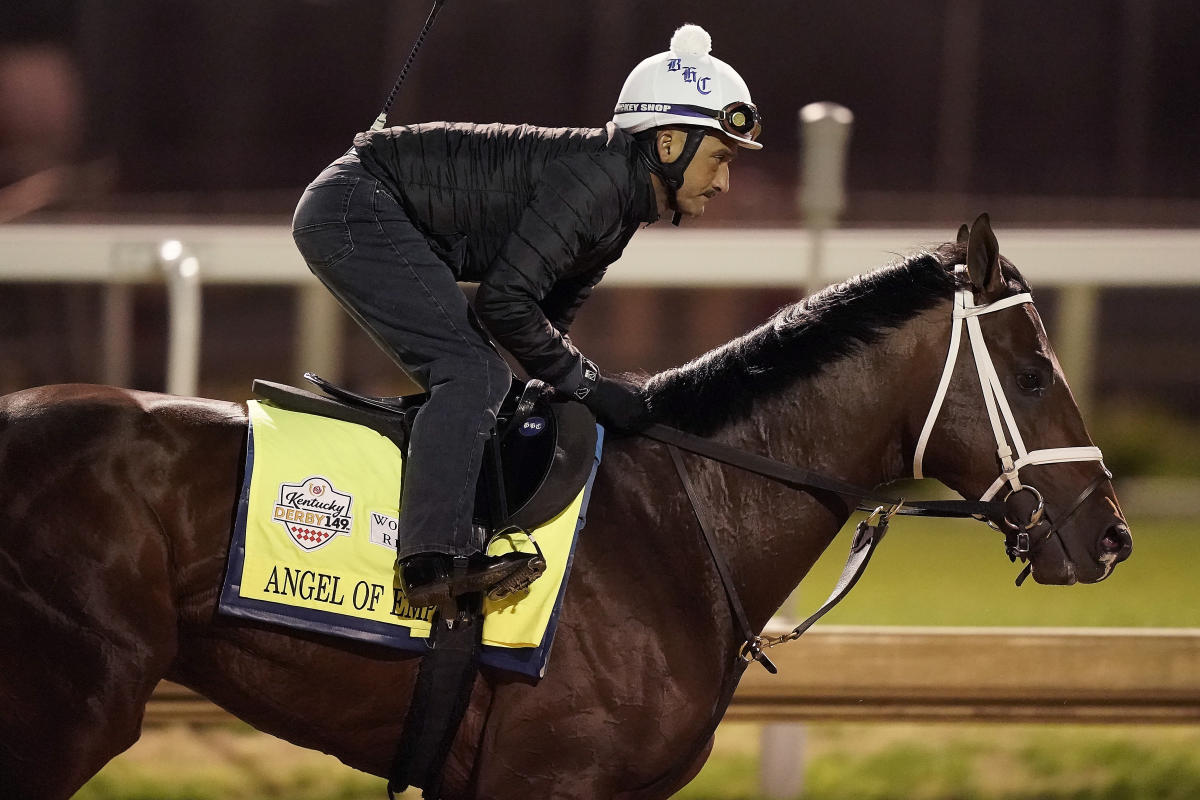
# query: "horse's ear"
{"type": "Point", "coordinates": [983, 258]}
{"type": "Point", "coordinates": [963, 233]}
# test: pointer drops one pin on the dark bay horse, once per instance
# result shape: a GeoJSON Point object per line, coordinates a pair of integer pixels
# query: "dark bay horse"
{"type": "Point", "coordinates": [117, 509]}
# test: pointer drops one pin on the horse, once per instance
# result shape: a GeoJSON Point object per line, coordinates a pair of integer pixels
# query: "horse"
{"type": "Point", "coordinates": [118, 506]}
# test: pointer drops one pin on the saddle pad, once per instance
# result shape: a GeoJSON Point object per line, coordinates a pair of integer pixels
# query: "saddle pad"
{"type": "Point", "coordinates": [314, 545]}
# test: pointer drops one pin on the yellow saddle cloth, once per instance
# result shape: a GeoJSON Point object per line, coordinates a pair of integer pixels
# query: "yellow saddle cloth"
{"type": "Point", "coordinates": [314, 543]}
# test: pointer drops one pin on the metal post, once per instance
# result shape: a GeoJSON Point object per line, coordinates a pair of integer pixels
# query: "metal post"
{"type": "Point", "coordinates": [319, 333]}
{"type": "Point", "coordinates": [824, 136]}
{"type": "Point", "coordinates": [1074, 340]}
{"type": "Point", "coordinates": [117, 342]}
{"type": "Point", "coordinates": [781, 760]}
{"type": "Point", "coordinates": [182, 273]}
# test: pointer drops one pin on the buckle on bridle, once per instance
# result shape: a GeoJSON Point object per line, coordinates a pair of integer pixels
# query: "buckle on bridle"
{"type": "Point", "coordinates": [1020, 545]}
{"type": "Point", "coordinates": [885, 515]}
{"type": "Point", "coordinates": [752, 650]}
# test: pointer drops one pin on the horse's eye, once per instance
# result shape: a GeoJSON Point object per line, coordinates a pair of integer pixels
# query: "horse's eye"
{"type": "Point", "coordinates": [1030, 381]}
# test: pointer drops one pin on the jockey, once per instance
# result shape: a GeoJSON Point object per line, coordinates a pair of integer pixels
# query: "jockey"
{"type": "Point", "coordinates": [534, 216]}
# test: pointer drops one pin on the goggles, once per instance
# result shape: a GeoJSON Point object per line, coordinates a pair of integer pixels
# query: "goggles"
{"type": "Point", "coordinates": [739, 119]}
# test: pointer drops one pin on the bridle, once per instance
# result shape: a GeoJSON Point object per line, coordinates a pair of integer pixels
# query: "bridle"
{"type": "Point", "coordinates": [1020, 541]}
{"type": "Point", "coordinates": [1010, 446]}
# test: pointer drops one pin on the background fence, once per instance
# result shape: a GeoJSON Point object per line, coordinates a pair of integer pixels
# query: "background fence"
{"type": "Point", "coordinates": [854, 673]}
{"type": "Point", "coordinates": [188, 258]}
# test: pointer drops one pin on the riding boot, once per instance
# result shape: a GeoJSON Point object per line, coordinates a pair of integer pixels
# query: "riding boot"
{"type": "Point", "coordinates": [429, 579]}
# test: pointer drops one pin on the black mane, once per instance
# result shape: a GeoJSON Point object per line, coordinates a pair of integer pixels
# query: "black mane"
{"type": "Point", "coordinates": [800, 340]}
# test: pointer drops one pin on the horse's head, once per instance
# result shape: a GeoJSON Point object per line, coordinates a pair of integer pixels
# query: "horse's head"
{"type": "Point", "coordinates": [1003, 425]}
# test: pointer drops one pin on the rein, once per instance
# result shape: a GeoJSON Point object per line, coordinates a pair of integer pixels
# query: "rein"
{"type": "Point", "coordinates": [799, 478]}
{"type": "Point", "coordinates": [1019, 538]}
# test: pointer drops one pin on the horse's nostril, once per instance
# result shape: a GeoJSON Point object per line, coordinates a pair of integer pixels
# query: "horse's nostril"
{"type": "Point", "coordinates": [1118, 540]}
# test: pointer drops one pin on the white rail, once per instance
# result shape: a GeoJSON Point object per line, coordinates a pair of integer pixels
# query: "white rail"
{"type": "Point", "coordinates": [116, 255]}
{"type": "Point", "coordinates": [706, 257]}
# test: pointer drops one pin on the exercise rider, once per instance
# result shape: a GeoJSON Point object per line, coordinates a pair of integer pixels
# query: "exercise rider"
{"type": "Point", "coordinates": [534, 216]}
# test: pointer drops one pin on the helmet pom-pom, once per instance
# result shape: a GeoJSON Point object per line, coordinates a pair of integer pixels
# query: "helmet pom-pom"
{"type": "Point", "coordinates": [691, 40]}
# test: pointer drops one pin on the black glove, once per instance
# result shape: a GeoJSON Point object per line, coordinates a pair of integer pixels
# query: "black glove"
{"type": "Point", "coordinates": [616, 403]}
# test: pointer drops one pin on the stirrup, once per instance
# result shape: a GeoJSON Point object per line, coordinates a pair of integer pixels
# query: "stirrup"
{"type": "Point", "coordinates": [520, 580]}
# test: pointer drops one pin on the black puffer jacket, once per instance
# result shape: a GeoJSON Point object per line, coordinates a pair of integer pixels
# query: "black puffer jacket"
{"type": "Point", "coordinates": [534, 215]}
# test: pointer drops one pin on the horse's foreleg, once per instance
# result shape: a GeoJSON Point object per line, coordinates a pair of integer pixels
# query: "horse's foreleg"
{"type": "Point", "coordinates": [668, 789]}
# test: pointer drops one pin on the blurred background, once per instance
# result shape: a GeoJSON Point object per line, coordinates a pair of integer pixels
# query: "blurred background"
{"type": "Point", "coordinates": [1077, 113]}
{"type": "Point", "coordinates": [1077, 116]}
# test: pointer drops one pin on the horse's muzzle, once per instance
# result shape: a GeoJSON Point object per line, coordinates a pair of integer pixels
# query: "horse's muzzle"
{"type": "Point", "coordinates": [1117, 541]}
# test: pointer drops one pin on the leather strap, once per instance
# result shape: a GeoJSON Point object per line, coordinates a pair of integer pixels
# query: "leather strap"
{"type": "Point", "coordinates": [735, 602]}
{"type": "Point", "coordinates": [439, 702]}
{"type": "Point", "coordinates": [797, 477]}
{"type": "Point", "coordinates": [866, 538]}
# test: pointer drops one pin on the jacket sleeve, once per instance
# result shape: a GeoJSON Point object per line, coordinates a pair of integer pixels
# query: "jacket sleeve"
{"type": "Point", "coordinates": [575, 204]}
{"type": "Point", "coordinates": [564, 300]}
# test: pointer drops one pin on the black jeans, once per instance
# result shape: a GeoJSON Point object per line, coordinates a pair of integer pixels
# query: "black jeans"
{"type": "Point", "coordinates": [357, 239]}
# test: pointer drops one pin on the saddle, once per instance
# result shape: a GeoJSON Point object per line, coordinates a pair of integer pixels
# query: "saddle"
{"type": "Point", "coordinates": [538, 458]}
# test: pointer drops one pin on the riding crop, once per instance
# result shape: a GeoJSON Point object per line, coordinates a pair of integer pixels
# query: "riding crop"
{"type": "Point", "coordinates": [381, 120]}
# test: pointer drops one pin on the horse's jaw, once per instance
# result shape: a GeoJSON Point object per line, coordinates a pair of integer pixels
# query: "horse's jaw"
{"type": "Point", "coordinates": [1052, 566]}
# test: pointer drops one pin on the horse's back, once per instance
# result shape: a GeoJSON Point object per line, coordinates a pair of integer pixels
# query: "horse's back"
{"type": "Point", "coordinates": [74, 414]}
{"type": "Point", "coordinates": [93, 481]}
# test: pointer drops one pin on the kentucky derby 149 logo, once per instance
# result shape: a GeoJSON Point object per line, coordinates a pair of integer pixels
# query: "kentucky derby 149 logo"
{"type": "Point", "coordinates": [313, 512]}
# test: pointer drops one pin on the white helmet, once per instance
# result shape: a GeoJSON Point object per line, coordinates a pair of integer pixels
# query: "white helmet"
{"type": "Point", "coordinates": [687, 86]}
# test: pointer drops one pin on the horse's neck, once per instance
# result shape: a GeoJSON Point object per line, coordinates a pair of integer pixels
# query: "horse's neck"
{"type": "Point", "coordinates": [854, 421]}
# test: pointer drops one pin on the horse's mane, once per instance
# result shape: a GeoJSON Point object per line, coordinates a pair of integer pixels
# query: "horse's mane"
{"type": "Point", "coordinates": [801, 339]}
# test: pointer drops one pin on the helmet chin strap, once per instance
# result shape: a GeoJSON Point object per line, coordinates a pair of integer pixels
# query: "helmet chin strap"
{"type": "Point", "coordinates": [671, 172]}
